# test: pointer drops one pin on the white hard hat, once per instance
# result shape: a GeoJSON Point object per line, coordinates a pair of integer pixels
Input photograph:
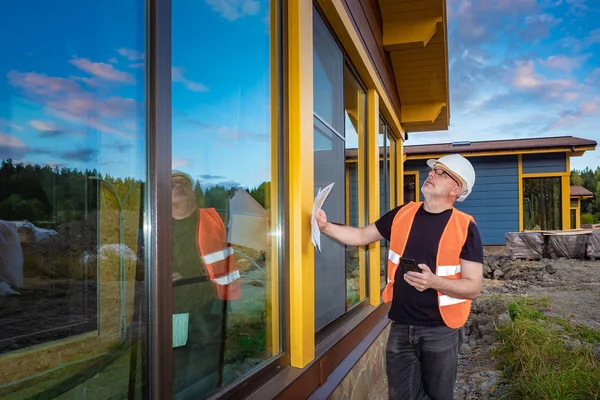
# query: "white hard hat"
{"type": "Point", "coordinates": [461, 167]}
{"type": "Point", "coordinates": [187, 176]}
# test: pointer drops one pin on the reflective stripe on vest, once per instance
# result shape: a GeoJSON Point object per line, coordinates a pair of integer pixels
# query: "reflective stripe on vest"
{"type": "Point", "coordinates": [218, 255]}
{"type": "Point", "coordinates": [454, 311]}
{"type": "Point", "coordinates": [220, 263]}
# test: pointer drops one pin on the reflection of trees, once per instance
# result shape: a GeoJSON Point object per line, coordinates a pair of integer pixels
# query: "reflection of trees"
{"type": "Point", "coordinates": [542, 203]}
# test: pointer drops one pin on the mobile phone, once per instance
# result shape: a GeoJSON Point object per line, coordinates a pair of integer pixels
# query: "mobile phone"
{"type": "Point", "coordinates": [408, 264]}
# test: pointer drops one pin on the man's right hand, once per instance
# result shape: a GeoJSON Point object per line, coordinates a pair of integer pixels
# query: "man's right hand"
{"type": "Point", "coordinates": [321, 218]}
{"type": "Point", "coordinates": [176, 276]}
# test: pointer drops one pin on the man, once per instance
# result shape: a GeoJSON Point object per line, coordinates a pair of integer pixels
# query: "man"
{"type": "Point", "coordinates": [428, 307]}
{"type": "Point", "coordinates": [205, 275]}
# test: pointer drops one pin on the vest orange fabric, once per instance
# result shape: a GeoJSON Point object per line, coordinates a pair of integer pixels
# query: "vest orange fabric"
{"type": "Point", "coordinates": [217, 255]}
{"type": "Point", "coordinates": [454, 311]}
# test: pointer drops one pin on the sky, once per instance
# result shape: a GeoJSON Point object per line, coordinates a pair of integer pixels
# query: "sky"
{"type": "Point", "coordinates": [72, 87]}
{"type": "Point", "coordinates": [72, 82]}
{"type": "Point", "coordinates": [521, 69]}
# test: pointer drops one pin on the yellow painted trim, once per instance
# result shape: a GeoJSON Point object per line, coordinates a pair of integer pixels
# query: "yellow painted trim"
{"type": "Point", "coordinates": [520, 179]}
{"type": "Point", "coordinates": [300, 185]}
{"type": "Point", "coordinates": [396, 35]}
{"type": "Point", "coordinates": [374, 190]}
{"type": "Point", "coordinates": [399, 173]}
{"type": "Point", "coordinates": [577, 217]}
{"type": "Point", "coordinates": [498, 153]}
{"type": "Point", "coordinates": [417, 184]}
{"type": "Point", "coordinates": [421, 113]}
{"type": "Point", "coordinates": [342, 24]}
{"type": "Point", "coordinates": [392, 177]}
{"type": "Point", "coordinates": [547, 175]}
{"type": "Point", "coordinates": [273, 284]}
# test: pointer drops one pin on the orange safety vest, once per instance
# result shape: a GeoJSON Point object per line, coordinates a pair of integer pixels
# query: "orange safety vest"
{"type": "Point", "coordinates": [454, 311]}
{"type": "Point", "coordinates": [217, 255]}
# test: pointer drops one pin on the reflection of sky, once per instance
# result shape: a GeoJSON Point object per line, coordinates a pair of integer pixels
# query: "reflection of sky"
{"type": "Point", "coordinates": [72, 92]}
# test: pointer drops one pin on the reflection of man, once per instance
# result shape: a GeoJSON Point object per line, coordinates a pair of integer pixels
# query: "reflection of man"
{"type": "Point", "coordinates": [428, 307]}
{"type": "Point", "coordinates": [204, 275]}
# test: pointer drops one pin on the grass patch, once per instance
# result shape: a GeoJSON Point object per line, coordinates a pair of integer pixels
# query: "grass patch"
{"type": "Point", "coordinates": [536, 362]}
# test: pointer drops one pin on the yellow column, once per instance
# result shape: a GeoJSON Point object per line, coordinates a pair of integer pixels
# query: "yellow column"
{"type": "Point", "coordinates": [300, 183]}
{"type": "Point", "coordinates": [373, 182]}
{"type": "Point", "coordinates": [393, 183]}
{"type": "Point", "coordinates": [400, 172]}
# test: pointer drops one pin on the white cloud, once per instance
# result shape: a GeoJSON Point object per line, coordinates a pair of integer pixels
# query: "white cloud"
{"type": "Point", "coordinates": [7, 140]}
{"type": "Point", "coordinates": [180, 163]}
{"type": "Point", "coordinates": [132, 55]}
{"type": "Point", "coordinates": [177, 74]}
{"type": "Point", "coordinates": [102, 70]}
{"type": "Point", "coordinates": [565, 63]}
{"type": "Point", "coordinates": [234, 9]}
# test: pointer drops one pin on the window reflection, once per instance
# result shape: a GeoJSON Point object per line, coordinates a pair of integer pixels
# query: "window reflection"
{"type": "Point", "coordinates": [355, 115]}
{"type": "Point", "coordinates": [328, 88]}
{"type": "Point", "coordinates": [383, 198]}
{"type": "Point", "coordinates": [224, 256]}
{"type": "Point", "coordinates": [542, 203]}
{"type": "Point", "coordinates": [72, 145]}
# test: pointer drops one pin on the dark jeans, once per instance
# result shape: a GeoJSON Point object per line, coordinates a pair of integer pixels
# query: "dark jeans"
{"type": "Point", "coordinates": [197, 364]}
{"type": "Point", "coordinates": [421, 362]}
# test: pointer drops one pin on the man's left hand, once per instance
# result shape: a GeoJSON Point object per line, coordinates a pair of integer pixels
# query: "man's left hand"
{"type": "Point", "coordinates": [421, 280]}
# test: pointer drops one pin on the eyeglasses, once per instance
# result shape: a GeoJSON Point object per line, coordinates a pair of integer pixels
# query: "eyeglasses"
{"type": "Point", "coordinates": [180, 181]}
{"type": "Point", "coordinates": [439, 171]}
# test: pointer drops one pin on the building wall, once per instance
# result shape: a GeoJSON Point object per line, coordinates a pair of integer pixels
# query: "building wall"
{"type": "Point", "coordinates": [544, 163]}
{"type": "Point", "coordinates": [362, 378]}
{"type": "Point", "coordinates": [494, 202]}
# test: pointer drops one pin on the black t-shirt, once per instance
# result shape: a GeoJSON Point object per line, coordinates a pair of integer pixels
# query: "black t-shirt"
{"type": "Point", "coordinates": [195, 298]}
{"type": "Point", "coordinates": [409, 306]}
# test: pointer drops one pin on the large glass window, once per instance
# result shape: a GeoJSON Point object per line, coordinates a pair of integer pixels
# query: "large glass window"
{"type": "Point", "coordinates": [355, 105]}
{"type": "Point", "coordinates": [339, 158]}
{"type": "Point", "coordinates": [542, 203]}
{"type": "Point", "coordinates": [328, 66]}
{"type": "Point", "coordinates": [72, 176]}
{"type": "Point", "coordinates": [410, 188]}
{"type": "Point", "coordinates": [384, 204]}
{"type": "Point", "coordinates": [225, 241]}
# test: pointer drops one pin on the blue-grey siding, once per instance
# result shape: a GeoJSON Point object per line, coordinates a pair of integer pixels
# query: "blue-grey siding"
{"type": "Point", "coordinates": [494, 202]}
{"type": "Point", "coordinates": [542, 163]}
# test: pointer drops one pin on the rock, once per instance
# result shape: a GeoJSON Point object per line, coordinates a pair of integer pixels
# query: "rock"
{"type": "Point", "coordinates": [488, 339]}
{"type": "Point", "coordinates": [465, 349]}
{"type": "Point", "coordinates": [490, 380]}
{"type": "Point", "coordinates": [597, 353]}
{"type": "Point", "coordinates": [555, 327]}
{"type": "Point", "coordinates": [487, 329]}
{"type": "Point", "coordinates": [550, 269]}
{"type": "Point", "coordinates": [572, 344]}
{"type": "Point", "coordinates": [472, 342]}
{"type": "Point", "coordinates": [503, 318]}
{"type": "Point", "coordinates": [487, 270]}
{"type": "Point", "coordinates": [498, 274]}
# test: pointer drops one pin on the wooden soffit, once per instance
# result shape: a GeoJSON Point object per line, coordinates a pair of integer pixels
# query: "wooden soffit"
{"type": "Point", "coordinates": [415, 36]}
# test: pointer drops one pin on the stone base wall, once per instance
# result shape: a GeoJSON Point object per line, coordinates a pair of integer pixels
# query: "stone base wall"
{"type": "Point", "coordinates": [365, 374]}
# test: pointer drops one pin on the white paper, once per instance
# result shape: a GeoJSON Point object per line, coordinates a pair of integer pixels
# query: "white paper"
{"type": "Point", "coordinates": [180, 329]}
{"type": "Point", "coordinates": [319, 201]}
{"type": "Point", "coordinates": [248, 222]}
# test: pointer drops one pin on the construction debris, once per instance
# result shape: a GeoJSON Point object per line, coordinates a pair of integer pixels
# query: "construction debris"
{"type": "Point", "coordinates": [574, 244]}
